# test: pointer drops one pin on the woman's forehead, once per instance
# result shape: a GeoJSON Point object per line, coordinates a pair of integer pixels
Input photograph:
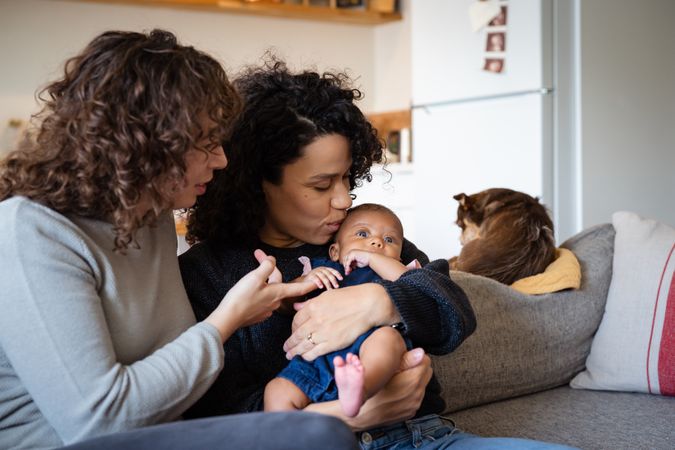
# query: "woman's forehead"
{"type": "Point", "coordinates": [325, 157]}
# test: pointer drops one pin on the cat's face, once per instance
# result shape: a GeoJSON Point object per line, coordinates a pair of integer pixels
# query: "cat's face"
{"type": "Point", "coordinates": [469, 216]}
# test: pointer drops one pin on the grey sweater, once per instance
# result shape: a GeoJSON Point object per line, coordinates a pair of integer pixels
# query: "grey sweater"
{"type": "Point", "coordinates": [91, 341]}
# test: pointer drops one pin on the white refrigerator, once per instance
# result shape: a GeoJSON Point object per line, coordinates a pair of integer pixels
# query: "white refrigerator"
{"type": "Point", "coordinates": [473, 129]}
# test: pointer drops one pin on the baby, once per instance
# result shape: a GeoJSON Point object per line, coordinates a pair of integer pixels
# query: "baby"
{"type": "Point", "coordinates": [367, 247]}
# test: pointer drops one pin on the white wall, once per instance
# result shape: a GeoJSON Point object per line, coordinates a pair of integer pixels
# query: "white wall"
{"type": "Point", "coordinates": [36, 36]}
{"type": "Point", "coordinates": [627, 109]}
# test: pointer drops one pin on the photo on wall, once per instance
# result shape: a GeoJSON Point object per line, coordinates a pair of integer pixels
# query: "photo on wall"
{"type": "Point", "coordinates": [500, 19]}
{"type": "Point", "coordinates": [495, 41]}
{"type": "Point", "coordinates": [495, 65]}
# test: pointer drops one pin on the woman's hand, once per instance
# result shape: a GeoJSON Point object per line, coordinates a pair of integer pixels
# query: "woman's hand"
{"type": "Point", "coordinates": [398, 400]}
{"type": "Point", "coordinates": [253, 298]}
{"type": "Point", "coordinates": [336, 318]}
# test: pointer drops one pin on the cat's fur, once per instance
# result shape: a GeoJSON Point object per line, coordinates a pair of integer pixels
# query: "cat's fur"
{"type": "Point", "coordinates": [506, 235]}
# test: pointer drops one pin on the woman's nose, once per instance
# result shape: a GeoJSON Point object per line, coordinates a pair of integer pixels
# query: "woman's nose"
{"type": "Point", "coordinates": [341, 199]}
{"type": "Point", "coordinates": [217, 158]}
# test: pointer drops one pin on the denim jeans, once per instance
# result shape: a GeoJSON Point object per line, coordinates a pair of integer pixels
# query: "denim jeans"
{"type": "Point", "coordinates": [435, 432]}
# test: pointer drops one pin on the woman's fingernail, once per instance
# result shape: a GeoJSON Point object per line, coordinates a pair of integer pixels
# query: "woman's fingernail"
{"type": "Point", "coordinates": [417, 353]}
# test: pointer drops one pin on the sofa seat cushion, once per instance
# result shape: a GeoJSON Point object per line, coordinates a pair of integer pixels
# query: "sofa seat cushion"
{"type": "Point", "coordinates": [527, 343]}
{"type": "Point", "coordinates": [584, 419]}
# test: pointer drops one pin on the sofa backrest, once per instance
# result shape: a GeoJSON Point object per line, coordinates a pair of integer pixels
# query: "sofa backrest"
{"type": "Point", "coordinates": [527, 343]}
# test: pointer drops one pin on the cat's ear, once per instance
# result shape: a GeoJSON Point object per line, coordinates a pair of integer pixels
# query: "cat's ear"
{"type": "Point", "coordinates": [463, 200]}
{"type": "Point", "coordinates": [536, 231]}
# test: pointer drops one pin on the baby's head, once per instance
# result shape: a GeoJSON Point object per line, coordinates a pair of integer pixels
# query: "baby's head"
{"type": "Point", "coordinates": [369, 227]}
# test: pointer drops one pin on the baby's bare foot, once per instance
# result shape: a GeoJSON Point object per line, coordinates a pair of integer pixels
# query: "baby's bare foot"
{"type": "Point", "coordinates": [349, 378]}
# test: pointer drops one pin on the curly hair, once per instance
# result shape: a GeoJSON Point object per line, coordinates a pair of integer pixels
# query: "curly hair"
{"type": "Point", "coordinates": [283, 113]}
{"type": "Point", "coordinates": [117, 126]}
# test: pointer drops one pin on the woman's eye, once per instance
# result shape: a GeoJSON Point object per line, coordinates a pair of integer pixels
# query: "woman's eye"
{"type": "Point", "coordinates": [321, 188]}
{"type": "Point", "coordinates": [362, 234]}
{"type": "Point", "coordinates": [389, 240]}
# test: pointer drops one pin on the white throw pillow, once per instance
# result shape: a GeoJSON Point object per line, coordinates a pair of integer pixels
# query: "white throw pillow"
{"type": "Point", "coordinates": [634, 348]}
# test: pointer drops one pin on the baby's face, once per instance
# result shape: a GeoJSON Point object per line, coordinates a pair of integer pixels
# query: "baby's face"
{"type": "Point", "coordinates": [370, 231]}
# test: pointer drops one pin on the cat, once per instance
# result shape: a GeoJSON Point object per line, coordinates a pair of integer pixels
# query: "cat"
{"type": "Point", "coordinates": [506, 235]}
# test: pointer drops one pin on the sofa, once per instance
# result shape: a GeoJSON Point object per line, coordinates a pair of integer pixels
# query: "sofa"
{"type": "Point", "coordinates": [512, 376]}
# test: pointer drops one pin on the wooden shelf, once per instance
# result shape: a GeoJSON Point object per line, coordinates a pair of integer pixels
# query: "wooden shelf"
{"type": "Point", "coordinates": [269, 8]}
{"type": "Point", "coordinates": [387, 122]}
{"type": "Point", "coordinates": [394, 127]}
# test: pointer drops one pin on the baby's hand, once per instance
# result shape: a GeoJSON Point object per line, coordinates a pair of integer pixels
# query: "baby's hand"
{"type": "Point", "coordinates": [323, 277]}
{"type": "Point", "coordinates": [356, 258]}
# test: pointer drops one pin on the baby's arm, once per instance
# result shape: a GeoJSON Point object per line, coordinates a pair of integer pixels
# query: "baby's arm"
{"type": "Point", "coordinates": [387, 268]}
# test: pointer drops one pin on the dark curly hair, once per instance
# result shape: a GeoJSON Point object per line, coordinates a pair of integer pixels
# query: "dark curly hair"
{"type": "Point", "coordinates": [283, 113]}
{"type": "Point", "coordinates": [118, 125]}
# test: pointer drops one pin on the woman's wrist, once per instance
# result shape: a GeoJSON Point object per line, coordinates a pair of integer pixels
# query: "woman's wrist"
{"type": "Point", "coordinates": [221, 322]}
{"type": "Point", "coordinates": [384, 311]}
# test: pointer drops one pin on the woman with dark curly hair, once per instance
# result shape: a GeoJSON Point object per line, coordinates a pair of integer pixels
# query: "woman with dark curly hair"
{"type": "Point", "coordinates": [296, 152]}
{"type": "Point", "coordinates": [298, 148]}
{"type": "Point", "coordinates": [97, 336]}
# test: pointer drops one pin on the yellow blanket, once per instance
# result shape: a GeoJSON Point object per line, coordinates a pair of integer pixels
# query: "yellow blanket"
{"type": "Point", "coordinates": [563, 273]}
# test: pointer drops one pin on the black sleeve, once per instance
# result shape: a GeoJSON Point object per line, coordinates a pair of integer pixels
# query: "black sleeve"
{"type": "Point", "coordinates": [435, 312]}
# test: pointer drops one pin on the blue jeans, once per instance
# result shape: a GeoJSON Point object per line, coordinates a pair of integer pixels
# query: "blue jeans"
{"type": "Point", "coordinates": [434, 432]}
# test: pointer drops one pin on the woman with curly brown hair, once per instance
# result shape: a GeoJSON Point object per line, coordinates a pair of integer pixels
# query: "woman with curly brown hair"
{"type": "Point", "coordinates": [96, 333]}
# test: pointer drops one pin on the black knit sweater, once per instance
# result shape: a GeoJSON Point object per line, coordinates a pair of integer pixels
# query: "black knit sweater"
{"type": "Point", "coordinates": [434, 310]}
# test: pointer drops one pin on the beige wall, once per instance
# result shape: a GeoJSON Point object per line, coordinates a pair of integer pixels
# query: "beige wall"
{"type": "Point", "coordinates": [36, 36]}
{"type": "Point", "coordinates": [392, 77]}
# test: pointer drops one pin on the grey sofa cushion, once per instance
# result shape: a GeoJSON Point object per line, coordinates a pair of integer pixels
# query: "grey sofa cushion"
{"type": "Point", "coordinates": [523, 343]}
{"type": "Point", "coordinates": [584, 419]}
